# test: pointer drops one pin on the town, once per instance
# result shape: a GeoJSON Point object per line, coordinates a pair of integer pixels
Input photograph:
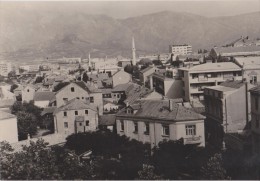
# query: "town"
{"type": "Point", "coordinates": [184, 114]}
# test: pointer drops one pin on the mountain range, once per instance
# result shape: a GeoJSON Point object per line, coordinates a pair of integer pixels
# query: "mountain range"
{"type": "Point", "coordinates": [29, 36]}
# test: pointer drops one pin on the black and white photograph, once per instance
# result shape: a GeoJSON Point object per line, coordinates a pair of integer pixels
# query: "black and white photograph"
{"type": "Point", "coordinates": [130, 90]}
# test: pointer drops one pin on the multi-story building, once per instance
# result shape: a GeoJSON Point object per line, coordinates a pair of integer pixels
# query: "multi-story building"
{"type": "Point", "coordinates": [227, 108]}
{"type": "Point", "coordinates": [28, 92]}
{"type": "Point", "coordinates": [153, 121]}
{"type": "Point", "coordinates": [255, 114]}
{"type": "Point", "coordinates": [121, 77]}
{"type": "Point", "coordinates": [180, 49]}
{"type": "Point", "coordinates": [5, 68]}
{"type": "Point", "coordinates": [8, 127]}
{"type": "Point", "coordinates": [30, 68]}
{"type": "Point", "coordinates": [75, 116]}
{"type": "Point", "coordinates": [145, 73]}
{"type": "Point", "coordinates": [80, 90]}
{"type": "Point", "coordinates": [196, 78]}
{"type": "Point", "coordinates": [43, 98]}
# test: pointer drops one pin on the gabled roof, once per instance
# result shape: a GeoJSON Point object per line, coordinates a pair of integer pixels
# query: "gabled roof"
{"type": "Point", "coordinates": [107, 119]}
{"type": "Point", "coordinates": [123, 87]}
{"type": "Point", "coordinates": [6, 115]}
{"type": "Point", "coordinates": [75, 104]}
{"type": "Point", "coordinates": [233, 84]}
{"type": "Point", "coordinates": [146, 69]}
{"type": "Point", "coordinates": [255, 90]}
{"type": "Point", "coordinates": [43, 96]}
{"type": "Point", "coordinates": [85, 86]}
{"type": "Point", "coordinates": [120, 71]}
{"type": "Point", "coordinates": [242, 49]}
{"type": "Point", "coordinates": [137, 93]}
{"type": "Point", "coordinates": [159, 110]}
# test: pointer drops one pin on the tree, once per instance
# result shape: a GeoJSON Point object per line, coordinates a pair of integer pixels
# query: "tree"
{"type": "Point", "coordinates": [214, 170]}
{"type": "Point", "coordinates": [147, 173]}
{"type": "Point", "coordinates": [27, 124]}
{"type": "Point", "coordinates": [39, 79]}
{"type": "Point", "coordinates": [11, 74]}
{"type": "Point", "coordinates": [14, 86]}
{"type": "Point", "coordinates": [85, 77]}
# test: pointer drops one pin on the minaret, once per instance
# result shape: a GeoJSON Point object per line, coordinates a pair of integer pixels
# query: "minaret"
{"type": "Point", "coordinates": [133, 52]}
{"type": "Point", "coordinates": [89, 62]}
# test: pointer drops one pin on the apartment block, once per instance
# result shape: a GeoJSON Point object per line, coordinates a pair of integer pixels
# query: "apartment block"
{"type": "Point", "coordinates": [180, 49]}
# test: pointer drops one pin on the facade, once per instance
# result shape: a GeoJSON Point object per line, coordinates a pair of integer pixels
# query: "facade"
{"type": "Point", "coordinates": [30, 68]}
{"type": "Point", "coordinates": [152, 121]}
{"type": "Point", "coordinates": [145, 73]}
{"type": "Point", "coordinates": [5, 68]}
{"type": "Point", "coordinates": [227, 107]}
{"type": "Point", "coordinates": [42, 99]}
{"type": "Point", "coordinates": [169, 87]}
{"type": "Point", "coordinates": [121, 77]}
{"type": "Point", "coordinates": [180, 49]}
{"type": "Point", "coordinates": [28, 92]}
{"type": "Point", "coordinates": [196, 78]}
{"type": "Point", "coordinates": [8, 127]}
{"type": "Point", "coordinates": [75, 116]}
{"type": "Point", "coordinates": [80, 90]}
{"type": "Point", "coordinates": [250, 67]}
{"type": "Point", "coordinates": [255, 123]}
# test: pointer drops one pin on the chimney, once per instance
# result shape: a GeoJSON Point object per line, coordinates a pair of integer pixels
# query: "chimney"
{"type": "Point", "coordinates": [170, 104]}
{"type": "Point", "coordinates": [151, 82]}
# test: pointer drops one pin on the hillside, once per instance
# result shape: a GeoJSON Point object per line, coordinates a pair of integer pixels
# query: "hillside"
{"type": "Point", "coordinates": [53, 34]}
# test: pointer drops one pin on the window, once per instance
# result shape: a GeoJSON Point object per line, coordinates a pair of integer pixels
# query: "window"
{"type": "Point", "coordinates": [257, 123]}
{"type": "Point", "coordinates": [146, 128]}
{"type": "Point", "coordinates": [66, 125]}
{"type": "Point", "coordinates": [256, 103]}
{"type": "Point", "coordinates": [122, 128]}
{"type": "Point", "coordinates": [80, 124]}
{"type": "Point", "coordinates": [65, 99]}
{"type": "Point", "coordinates": [191, 130]}
{"type": "Point", "coordinates": [72, 89]}
{"type": "Point", "coordinates": [28, 90]}
{"type": "Point", "coordinates": [65, 114]}
{"type": "Point", "coordinates": [77, 97]}
{"type": "Point", "coordinates": [165, 130]}
{"type": "Point", "coordinates": [76, 113]}
{"type": "Point", "coordinates": [82, 97]}
{"type": "Point", "coordinates": [135, 127]}
{"type": "Point", "coordinates": [87, 123]}
{"type": "Point", "coordinates": [91, 99]}
{"type": "Point", "coordinates": [86, 111]}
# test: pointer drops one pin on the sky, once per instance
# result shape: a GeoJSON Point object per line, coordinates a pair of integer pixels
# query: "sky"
{"type": "Point", "coordinates": [125, 9]}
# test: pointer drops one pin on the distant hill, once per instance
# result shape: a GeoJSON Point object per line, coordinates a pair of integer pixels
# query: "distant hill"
{"type": "Point", "coordinates": [27, 36]}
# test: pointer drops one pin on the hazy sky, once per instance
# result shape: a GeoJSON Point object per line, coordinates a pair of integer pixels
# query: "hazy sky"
{"type": "Point", "coordinates": [124, 9]}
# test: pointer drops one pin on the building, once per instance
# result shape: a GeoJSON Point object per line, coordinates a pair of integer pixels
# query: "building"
{"type": "Point", "coordinates": [180, 49]}
{"type": "Point", "coordinates": [255, 114]}
{"type": "Point", "coordinates": [196, 78]}
{"type": "Point", "coordinates": [145, 73]}
{"type": "Point", "coordinates": [30, 68]}
{"type": "Point", "coordinates": [75, 116]}
{"type": "Point", "coordinates": [250, 67]}
{"type": "Point", "coordinates": [80, 90]}
{"type": "Point", "coordinates": [8, 127]}
{"type": "Point", "coordinates": [121, 77]}
{"type": "Point", "coordinates": [152, 121]}
{"type": "Point", "coordinates": [5, 68]}
{"type": "Point", "coordinates": [42, 99]}
{"type": "Point", "coordinates": [28, 92]}
{"type": "Point", "coordinates": [231, 52]}
{"type": "Point", "coordinates": [124, 62]}
{"type": "Point", "coordinates": [167, 86]}
{"type": "Point", "coordinates": [227, 108]}
{"type": "Point", "coordinates": [107, 122]}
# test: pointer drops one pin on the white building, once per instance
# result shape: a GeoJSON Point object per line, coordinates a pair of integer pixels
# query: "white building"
{"type": "Point", "coordinates": [180, 49]}
{"type": "Point", "coordinates": [8, 127]}
{"type": "Point", "coordinates": [5, 68]}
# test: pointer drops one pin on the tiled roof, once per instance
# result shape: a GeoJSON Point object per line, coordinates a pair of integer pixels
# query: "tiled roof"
{"type": "Point", "coordinates": [146, 69]}
{"type": "Point", "coordinates": [159, 110]}
{"type": "Point", "coordinates": [75, 104]}
{"type": "Point", "coordinates": [223, 50]}
{"type": "Point", "coordinates": [107, 119]}
{"type": "Point", "coordinates": [48, 110]}
{"type": "Point", "coordinates": [136, 93]}
{"type": "Point", "coordinates": [208, 67]}
{"type": "Point", "coordinates": [122, 87]}
{"type": "Point", "coordinates": [106, 91]}
{"type": "Point", "coordinates": [5, 115]}
{"type": "Point", "coordinates": [52, 139]}
{"type": "Point", "coordinates": [233, 84]}
{"type": "Point", "coordinates": [43, 96]}
{"type": "Point", "coordinates": [6, 103]}
{"type": "Point", "coordinates": [87, 86]}
{"type": "Point", "coordinates": [255, 89]}
{"type": "Point", "coordinates": [249, 62]}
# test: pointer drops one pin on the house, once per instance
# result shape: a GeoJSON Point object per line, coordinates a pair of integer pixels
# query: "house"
{"type": "Point", "coordinates": [255, 123]}
{"type": "Point", "coordinates": [80, 90]}
{"type": "Point", "coordinates": [153, 121]}
{"type": "Point", "coordinates": [250, 67]}
{"type": "Point", "coordinates": [121, 77]}
{"type": "Point", "coordinates": [28, 92]}
{"type": "Point", "coordinates": [170, 87]}
{"type": "Point", "coordinates": [107, 122]}
{"type": "Point", "coordinates": [196, 78]}
{"type": "Point", "coordinates": [42, 99]}
{"type": "Point", "coordinates": [8, 127]}
{"type": "Point", "coordinates": [110, 106]}
{"type": "Point", "coordinates": [124, 62]}
{"type": "Point", "coordinates": [75, 116]}
{"type": "Point", "coordinates": [227, 108]}
{"type": "Point", "coordinates": [145, 74]}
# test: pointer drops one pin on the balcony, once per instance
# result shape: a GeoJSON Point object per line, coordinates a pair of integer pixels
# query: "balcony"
{"type": "Point", "coordinates": [193, 140]}
{"type": "Point", "coordinates": [213, 79]}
